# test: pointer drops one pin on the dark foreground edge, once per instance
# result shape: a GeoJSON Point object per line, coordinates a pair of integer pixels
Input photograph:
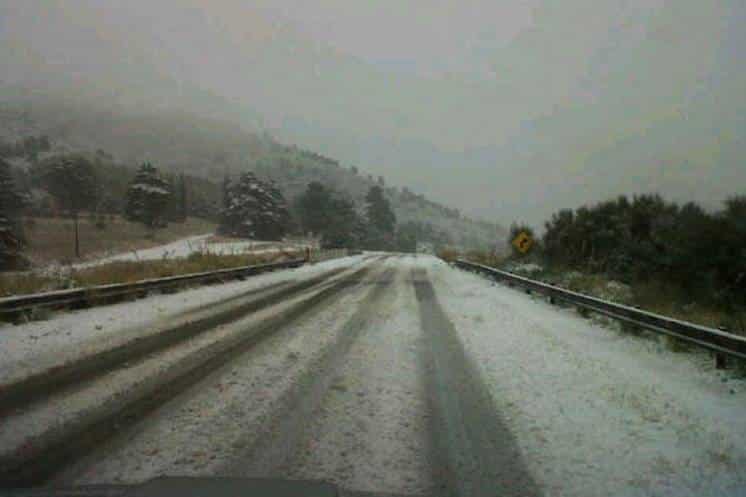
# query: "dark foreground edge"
{"type": "Point", "coordinates": [169, 486]}
{"type": "Point", "coordinates": [190, 487]}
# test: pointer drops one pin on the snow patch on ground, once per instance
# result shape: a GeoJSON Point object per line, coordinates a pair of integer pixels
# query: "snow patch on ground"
{"type": "Point", "coordinates": [597, 412]}
{"type": "Point", "coordinates": [617, 292]}
{"type": "Point", "coordinates": [524, 268]}
{"type": "Point", "coordinates": [196, 244]}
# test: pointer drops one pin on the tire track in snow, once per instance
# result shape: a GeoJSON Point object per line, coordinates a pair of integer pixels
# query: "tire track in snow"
{"type": "Point", "coordinates": [476, 453]}
{"type": "Point", "coordinates": [371, 431]}
{"type": "Point", "coordinates": [278, 453]}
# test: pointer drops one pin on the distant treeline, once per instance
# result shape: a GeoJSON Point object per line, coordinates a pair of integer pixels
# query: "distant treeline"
{"type": "Point", "coordinates": [112, 181]}
{"type": "Point", "coordinates": [51, 183]}
{"type": "Point", "coordinates": [647, 238]}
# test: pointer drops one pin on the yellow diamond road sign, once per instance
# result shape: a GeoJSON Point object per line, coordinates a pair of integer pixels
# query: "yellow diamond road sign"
{"type": "Point", "coordinates": [523, 242]}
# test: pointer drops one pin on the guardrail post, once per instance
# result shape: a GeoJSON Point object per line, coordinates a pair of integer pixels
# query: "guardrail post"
{"type": "Point", "coordinates": [19, 317]}
{"type": "Point", "coordinates": [721, 362]}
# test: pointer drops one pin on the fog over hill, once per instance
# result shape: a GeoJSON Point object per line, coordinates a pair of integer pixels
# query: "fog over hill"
{"type": "Point", "coordinates": [505, 110]}
{"type": "Point", "coordinates": [118, 138]}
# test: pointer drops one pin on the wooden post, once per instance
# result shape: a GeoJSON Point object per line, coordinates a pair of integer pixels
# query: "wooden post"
{"type": "Point", "coordinates": [720, 361]}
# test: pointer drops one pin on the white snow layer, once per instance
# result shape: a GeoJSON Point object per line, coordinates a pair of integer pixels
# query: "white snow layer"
{"type": "Point", "coordinates": [597, 412]}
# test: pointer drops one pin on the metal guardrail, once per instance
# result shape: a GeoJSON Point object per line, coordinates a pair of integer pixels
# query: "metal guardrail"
{"type": "Point", "coordinates": [13, 306]}
{"type": "Point", "coordinates": [321, 255]}
{"type": "Point", "coordinates": [720, 342]}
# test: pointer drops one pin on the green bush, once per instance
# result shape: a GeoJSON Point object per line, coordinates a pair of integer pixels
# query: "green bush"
{"type": "Point", "coordinates": [649, 239]}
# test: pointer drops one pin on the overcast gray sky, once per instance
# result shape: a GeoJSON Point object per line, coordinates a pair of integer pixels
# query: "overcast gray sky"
{"type": "Point", "coordinates": [508, 109]}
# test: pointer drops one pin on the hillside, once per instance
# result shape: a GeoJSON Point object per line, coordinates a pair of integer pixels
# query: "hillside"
{"type": "Point", "coordinates": [208, 149]}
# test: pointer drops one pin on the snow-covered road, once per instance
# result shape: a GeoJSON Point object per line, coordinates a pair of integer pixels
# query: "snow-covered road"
{"type": "Point", "coordinates": [595, 411]}
{"type": "Point", "coordinates": [400, 376]}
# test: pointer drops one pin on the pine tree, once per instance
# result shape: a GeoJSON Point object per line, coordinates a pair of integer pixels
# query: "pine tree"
{"type": "Point", "coordinates": [11, 233]}
{"type": "Point", "coordinates": [71, 180]}
{"type": "Point", "coordinates": [314, 207]}
{"type": "Point", "coordinates": [148, 197]}
{"type": "Point", "coordinates": [379, 212]}
{"type": "Point", "coordinates": [255, 209]}
{"type": "Point", "coordinates": [344, 229]}
{"type": "Point", "coordinates": [381, 220]}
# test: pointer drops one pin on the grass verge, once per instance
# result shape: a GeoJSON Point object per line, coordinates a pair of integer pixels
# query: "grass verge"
{"type": "Point", "coordinates": [52, 240]}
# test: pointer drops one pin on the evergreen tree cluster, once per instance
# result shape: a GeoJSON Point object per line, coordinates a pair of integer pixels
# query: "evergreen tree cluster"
{"type": "Point", "coordinates": [336, 218]}
{"type": "Point", "coordinates": [72, 184]}
{"type": "Point", "coordinates": [647, 237]}
{"type": "Point", "coordinates": [254, 209]}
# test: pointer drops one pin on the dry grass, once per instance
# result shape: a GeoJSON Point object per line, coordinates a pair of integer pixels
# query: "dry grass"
{"type": "Point", "coordinates": [665, 300]}
{"type": "Point", "coordinates": [52, 239]}
{"type": "Point", "coordinates": [448, 255]}
{"type": "Point", "coordinates": [20, 284]}
{"type": "Point", "coordinates": [130, 271]}
{"type": "Point", "coordinates": [485, 258]}
{"type": "Point", "coordinates": [659, 298]}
